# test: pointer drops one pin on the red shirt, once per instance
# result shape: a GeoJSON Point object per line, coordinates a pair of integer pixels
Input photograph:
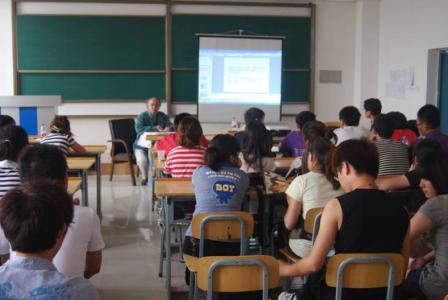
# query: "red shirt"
{"type": "Point", "coordinates": [405, 136]}
{"type": "Point", "coordinates": [182, 161]}
{"type": "Point", "coordinates": [172, 141]}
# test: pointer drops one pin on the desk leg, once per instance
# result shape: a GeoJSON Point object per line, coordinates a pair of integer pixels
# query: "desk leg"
{"type": "Point", "coordinates": [98, 186]}
{"type": "Point", "coordinates": [85, 200]}
{"type": "Point", "coordinates": [168, 217]}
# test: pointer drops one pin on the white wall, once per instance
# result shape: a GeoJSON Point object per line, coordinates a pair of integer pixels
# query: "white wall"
{"type": "Point", "coordinates": [408, 29]}
{"type": "Point", "coordinates": [6, 57]}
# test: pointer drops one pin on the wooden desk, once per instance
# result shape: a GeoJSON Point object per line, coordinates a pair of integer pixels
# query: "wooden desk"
{"type": "Point", "coordinates": [94, 151]}
{"type": "Point", "coordinates": [81, 165]}
{"type": "Point", "coordinates": [74, 183]}
{"type": "Point", "coordinates": [283, 162]}
{"type": "Point", "coordinates": [170, 190]}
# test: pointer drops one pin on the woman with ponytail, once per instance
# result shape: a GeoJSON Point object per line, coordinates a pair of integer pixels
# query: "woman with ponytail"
{"type": "Point", "coordinates": [311, 190]}
{"type": "Point", "coordinates": [13, 139]}
{"type": "Point", "coordinates": [61, 136]}
{"type": "Point", "coordinates": [219, 186]}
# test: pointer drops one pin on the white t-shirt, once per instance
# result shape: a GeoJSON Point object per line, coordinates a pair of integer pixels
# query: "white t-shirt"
{"type": "Point", "coordinates": [83, 235]}
{"type": "Point", "coordinates": [350, 132]}
{"type": "Point", "coordinates": [267, 165]}
{"type": "Point", "coordinates": [312, 190]}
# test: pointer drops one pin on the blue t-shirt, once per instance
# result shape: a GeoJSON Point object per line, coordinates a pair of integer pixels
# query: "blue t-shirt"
{"type": "Point", "coordinates": [218, 191]}
{"type": "Point", "coordinates": [37, 278]}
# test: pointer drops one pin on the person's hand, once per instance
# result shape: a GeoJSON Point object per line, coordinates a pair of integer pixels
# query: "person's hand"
{"type": "Point", "coordinates": [416, 263]}
{"type": "Point", "coordinates": [159, 128]}
{"type": "Point", "coordinates": [167, 129]}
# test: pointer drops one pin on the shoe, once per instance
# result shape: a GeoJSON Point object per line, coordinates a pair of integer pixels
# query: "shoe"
{"type": "Point", "coordinates": [144, 181]}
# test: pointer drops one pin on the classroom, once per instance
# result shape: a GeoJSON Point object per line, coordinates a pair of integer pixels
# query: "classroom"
{"type": "Point", "coordinates": [239, 149]}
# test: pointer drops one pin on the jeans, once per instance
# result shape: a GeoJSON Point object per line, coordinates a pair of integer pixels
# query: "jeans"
{"type": "Point", "coordinates": [411, 286]}
{"type": "Point", "coordinates": [144, 161]}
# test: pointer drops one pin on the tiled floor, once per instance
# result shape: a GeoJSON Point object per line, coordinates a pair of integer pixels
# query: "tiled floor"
{"type": "Point", "coordinates": [132, 237]}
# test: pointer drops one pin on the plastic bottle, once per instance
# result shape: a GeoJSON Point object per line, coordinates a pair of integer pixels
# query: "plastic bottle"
{"type": "Point", "coordinates": [43, 130]}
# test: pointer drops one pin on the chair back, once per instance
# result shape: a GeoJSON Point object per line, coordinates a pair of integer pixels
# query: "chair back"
{"type": "Point", "coordinates": [223, 226]}
{"type": "Point", "coordinates": [365, 270]}
{"type": "Point", "coordinates": [237, 274]}
{"type": "Point", "coordinates": [122, 129]}
{"type": "Point", "coordinates": [310, 219]}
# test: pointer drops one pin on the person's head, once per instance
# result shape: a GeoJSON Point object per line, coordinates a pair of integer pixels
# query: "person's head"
{"type": "Point", "coordinates": [190, 132]}
{"type": "Point", "coordinates": [153, 105]}
{"type": "Point", "coordinates": [223, 149]}
{"type": "Point", "coordinates": [425, 147]}
{"type": "Point", "coordinates": [6, 120]}
{"type": "Point", "coordinates": [349, 116]}
{"type": "Point", "coordinates": [319, 153]}
{"type": "Point", "coordinates": [428, 118]}
{"type": "Point", "coordinates": [312, 130]}
{"type": "Point", "coordinates": [303, 117]}
{"type": "Point", "coordinates": [352, 159]}
{"type": "Point", "coordinates": [178, 118]}
{"type": "Point", "coordinates": [254, 114]}
{"type": "Point", "coordinates": [400, 121]}
{"type": "Point", "coordinates": [43, 162]}
{"type": "Point", "coordinates": [13, 140]}
{"type": "Point", "coordinates": [372, 108]}
{"type": "Point", "coordinates": [256, 144]}
{"type": "Point", "coordinates": [60, 124]}
{"type": "Point", "coordinates": [35, 217]}
{"type": "Point", "coordinates": [383, 127]}
{"type": "Point", "coordinates": [432, 170]}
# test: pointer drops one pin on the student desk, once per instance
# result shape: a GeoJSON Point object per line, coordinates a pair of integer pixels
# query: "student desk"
{"type": "Point", "coordinates": [81, 165]}
{"type": "Point", "coordinates": [94, 151]}
{"type": "Point", "coordinates": [283, 162]}
{"type": "Point", "coordinates": [74, 183]}
{"type": "Point", "coordinates": [170, 190]}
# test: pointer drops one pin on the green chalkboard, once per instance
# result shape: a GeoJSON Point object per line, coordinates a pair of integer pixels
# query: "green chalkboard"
{"type": "Point", "coordinates": [296, 49]}
{"type": "Point", "coordinates": [94, 86]}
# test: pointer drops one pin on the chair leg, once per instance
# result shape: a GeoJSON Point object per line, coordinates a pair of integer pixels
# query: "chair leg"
{"type": "Point", "coordinates": [131, 169]}
{"type": "Point", "coordinates": [112, 171]}
{"type": "Point", "coordinates": [191, 286]}
{"type": "Point", "coordinates": [162, 251]}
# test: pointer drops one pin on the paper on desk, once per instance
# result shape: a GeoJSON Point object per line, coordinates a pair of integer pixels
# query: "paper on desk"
{"type": "Point", "coordinates": [143, 142]}
{"type": "Point", "coordinates": [296, 163]}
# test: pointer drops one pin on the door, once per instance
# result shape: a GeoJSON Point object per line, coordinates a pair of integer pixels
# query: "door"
{"type": "Point", "coordinates": [443, 92]}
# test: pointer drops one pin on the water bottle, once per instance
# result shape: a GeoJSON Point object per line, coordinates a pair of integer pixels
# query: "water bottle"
{"type": "Point", "coordinates": [43, 130]}
{"type": "Point", "coordinates": [234, 123]}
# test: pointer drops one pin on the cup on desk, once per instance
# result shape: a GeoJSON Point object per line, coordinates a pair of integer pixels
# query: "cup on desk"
{"type": "Point", "coordinates": [161, 155]}
{"type": "Point", "coordinates": [296, 152]}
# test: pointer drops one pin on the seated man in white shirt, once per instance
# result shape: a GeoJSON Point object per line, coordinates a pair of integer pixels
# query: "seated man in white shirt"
{"type": "Point", "coordinates": [349, 120]}
{"type": "Point", "coordinates": [81, 252]}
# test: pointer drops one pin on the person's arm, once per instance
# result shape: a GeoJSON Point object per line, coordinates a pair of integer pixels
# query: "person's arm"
{"type": "Point", "coordinates": [292, 213]}
{"type": "Point", "coordinates": [166, 123]}
{"type": "Point", "coordinates": [419, 225]}
{"type": "Point", "coordinates": [93, 263]}
{"type": "Point", "coordinates": [78, 148]}
{"type": "Point", "coordinates": [393, 183]}
{"type": "Point", "coordinates": [314, 261]}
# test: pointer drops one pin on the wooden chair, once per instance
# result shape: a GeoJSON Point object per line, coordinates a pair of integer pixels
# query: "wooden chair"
{"type": "Point", "coordinates": [123, 136]}
{"type": "Point", "coordinates": [219, 227]}
{"type": "Point", "coordinates": [365, 270]}
{"type": "Point", "coordinates": [237, 274]}
{"type": "Point", "coordinates": [311, 225]}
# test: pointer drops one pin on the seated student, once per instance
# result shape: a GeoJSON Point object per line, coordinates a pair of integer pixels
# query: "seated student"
{"type": "Point", "coordinates": [171, 141]}
{"type": "Point", "coordinates": [35, 218]}
{"type": "Point", "coordinates": [411, 179]}
{"type": "Point", "coordinates": [6, 120]}
{"type": "Point", "coordinates": [81, 251]}
{"type": "Point", "coordinates": [372, 108]}
{"type": "Point", "coordinates": [401, 132]}
{"type": "Point", "coordinates": [311, 190]}
{"type": "Point", "coordinates": [13, 139]}
{"type": "Point", "coordinates": [294, 139]}
{"type": "Point", "coordinates": [256, 155]}
{"type": "Point", "coordinates": [253, 114]}
{"type": "Point", "coordinates": [349, 125]}
{"type": "Point", "coordinates": [359, 221]}
{"type": "Point", "coordinates": [185, 158]}
{"type": "Point", "coordinates": [149, 121]}
{"type": "Point", "coordinates": [311, 131]}
{"type": "Point", "coordinates": [393, 154]}
{"type": "Point", "coordinates": [61, 136]}
{"type": "Point", "coordinates": [222, 167]}
{"type": "Point", "coordinates": [429, 271]}
{"type": "Point", "coordinates": [428, 124]}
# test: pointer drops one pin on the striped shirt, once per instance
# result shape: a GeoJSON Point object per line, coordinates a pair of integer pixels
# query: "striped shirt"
{"type": "Point", "coordinates": [393, 157]}
{"type": "Point", "coordinates": [182, 161]}
{"type": "Point", "coordinates": [9, 176]}
{"type": "Point", "coordinates": [62, 141]}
